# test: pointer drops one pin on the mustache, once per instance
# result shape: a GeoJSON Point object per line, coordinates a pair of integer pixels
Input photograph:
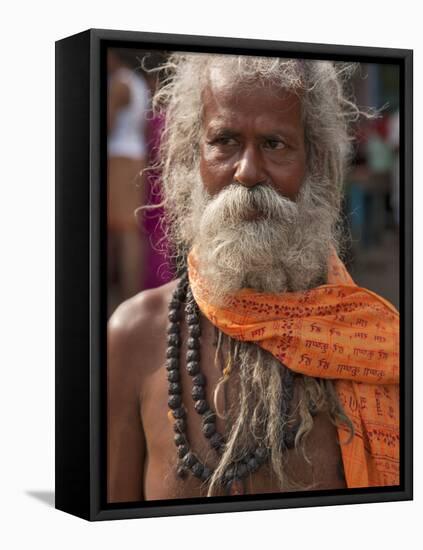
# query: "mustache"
{"type": "Point", "coordinates": [282, 247]}
{"type": "Point", "coordinates": [236, 203]}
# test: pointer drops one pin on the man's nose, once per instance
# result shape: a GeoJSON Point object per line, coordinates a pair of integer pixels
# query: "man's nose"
{"type": "Point", "coordinates": [249, 168]}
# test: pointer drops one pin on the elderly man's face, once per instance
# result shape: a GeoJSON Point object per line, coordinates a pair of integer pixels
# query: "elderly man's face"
{"type": "Point", "coordinates": [251, 136]}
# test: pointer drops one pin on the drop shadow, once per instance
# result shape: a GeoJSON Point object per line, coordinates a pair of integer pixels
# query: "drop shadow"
{"type": "Point", "coordinates": [46, 497]}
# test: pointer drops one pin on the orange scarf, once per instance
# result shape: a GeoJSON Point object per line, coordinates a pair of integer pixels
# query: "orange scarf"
{"type": "Point", "coordinates": [337, 331]}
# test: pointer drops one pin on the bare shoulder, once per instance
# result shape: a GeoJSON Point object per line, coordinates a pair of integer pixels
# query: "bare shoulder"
{"type": "Point", "coordinates": [137, 327]}
{"type": "Point", "coordinates": [136, 345]}
{"type": "Point", "coordinates": [145, 310]}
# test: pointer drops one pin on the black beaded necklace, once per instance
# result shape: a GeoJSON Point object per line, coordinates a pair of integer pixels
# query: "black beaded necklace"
{"type": "Point", "coordinates": [232, 479]}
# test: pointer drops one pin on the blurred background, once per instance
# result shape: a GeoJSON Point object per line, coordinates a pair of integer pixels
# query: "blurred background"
{"type": "Point", "coordinates": [137, 258]}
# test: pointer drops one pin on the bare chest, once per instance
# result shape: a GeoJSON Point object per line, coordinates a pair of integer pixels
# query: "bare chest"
{"type": "Point", "coordinates": [319, 467]}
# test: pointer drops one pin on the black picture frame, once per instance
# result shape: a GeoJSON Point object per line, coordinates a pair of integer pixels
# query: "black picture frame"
{"type": "Point", "coordinates": [81, 294]}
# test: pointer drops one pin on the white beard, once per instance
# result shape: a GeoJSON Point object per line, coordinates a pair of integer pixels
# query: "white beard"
{"type": "Point", "coordinates": [259, 239]}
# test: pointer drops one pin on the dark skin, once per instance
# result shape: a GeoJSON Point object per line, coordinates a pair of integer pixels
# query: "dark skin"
{"type": "Point", "coordinates": [247, 138]}
{"type": "Point", "coordinates": [251, 136]}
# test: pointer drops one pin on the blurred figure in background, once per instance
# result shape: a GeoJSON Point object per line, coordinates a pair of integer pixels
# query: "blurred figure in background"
{"type": "Point", "coordinates": [371, 210]}
{"type": "Point", "coordinates": [157, 269]}
{"type": "Point", "coordinates": [128, 103]}
{"type": "Point", "coordinates": [380, 162]}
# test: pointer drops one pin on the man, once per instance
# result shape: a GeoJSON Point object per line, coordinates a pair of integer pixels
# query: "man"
{"type": "Point", "coordinates": [262, 368]}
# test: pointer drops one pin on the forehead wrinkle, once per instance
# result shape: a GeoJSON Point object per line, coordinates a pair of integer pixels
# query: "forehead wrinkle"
{"type": "Point", "coordinates": [221, 86]}
{"type": "Point", "coordinates": [222, 94]}
{"type": "Point", "coordinates": [231, 121]}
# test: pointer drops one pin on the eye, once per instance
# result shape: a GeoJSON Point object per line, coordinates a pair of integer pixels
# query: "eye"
{"type": "Point", "coordinates": [223, 140]}
{"type": "Point", "coordinates": [274, 144]}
